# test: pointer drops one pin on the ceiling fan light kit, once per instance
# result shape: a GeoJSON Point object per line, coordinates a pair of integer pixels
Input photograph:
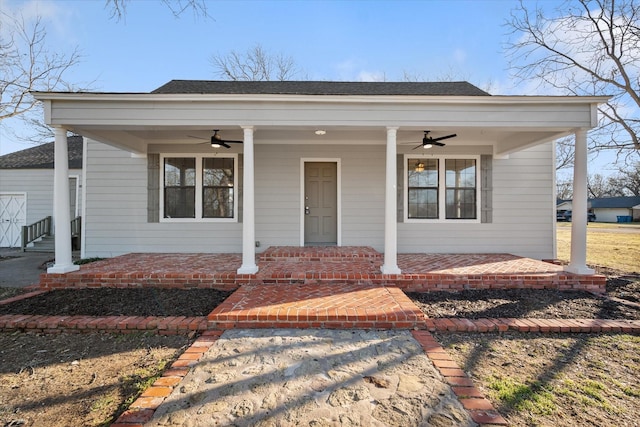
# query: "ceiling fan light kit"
{"type": "Point", "coordinates": [429, 141]}
{"type": "Point", "coordinates": [216, 140]}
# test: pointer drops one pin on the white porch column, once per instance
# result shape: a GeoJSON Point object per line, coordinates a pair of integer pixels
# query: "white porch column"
{"type": "Point", "coordinates": [248, 207]}
{"type": "Point", "coordinates": [578, 261]}
{"type": "Point", "coordinates": [61, 216]}
{"type": "Point", "coordinates": [390, 265]}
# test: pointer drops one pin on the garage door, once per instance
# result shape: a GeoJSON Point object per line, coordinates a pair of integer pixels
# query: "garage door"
{"type": "Point", "coordinates": [13, 215]}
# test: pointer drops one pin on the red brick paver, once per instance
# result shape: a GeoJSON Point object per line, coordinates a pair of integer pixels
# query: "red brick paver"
{"type": "Point", "coordinates": [302, 265]}
{"type": "Point", "coordinates": [318, 306]}
{"type": "Point", "coordinates": [143, 408]}
{"type": "Point", "coordinates": [479, 408]}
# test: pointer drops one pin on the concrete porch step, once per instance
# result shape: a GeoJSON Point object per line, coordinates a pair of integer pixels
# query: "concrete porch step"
{"type": "Point", "coordinates": [46, 244]}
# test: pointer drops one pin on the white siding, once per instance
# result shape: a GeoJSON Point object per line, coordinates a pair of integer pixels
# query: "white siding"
{"type": "Point", "coordinates": [523, 206]}
{"type": "Point", "coordinates": [38, 185]}
{"type": "Point", "coordinates": [116, 212]}
{"type": "Point", "coordinates": [523, 214]}
{"type": "Point", "coordinates": [611, 214]}
{"type": "Point", "coordinates": [278, 192]}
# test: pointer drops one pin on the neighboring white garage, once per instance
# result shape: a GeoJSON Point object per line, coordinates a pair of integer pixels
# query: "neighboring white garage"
{"type": "Point", "coordinates": [26, 187]}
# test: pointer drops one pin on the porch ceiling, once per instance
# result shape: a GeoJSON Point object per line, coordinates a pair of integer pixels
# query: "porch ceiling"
{"type": "Point", "coordinates": [498, 141]}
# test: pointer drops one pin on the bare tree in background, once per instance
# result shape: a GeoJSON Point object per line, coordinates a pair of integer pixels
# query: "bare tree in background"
{"type": "Point", "coordinates": [118, 8]}
{"type": "Point", "coordinates": [27, 64]}
{"type": "Point", "coordinates": [564, 153]}
{"type": "Point", "coordinates": [256, 64]}
{"type": "Point", "coordinates": [591, 48]}
{"type": "Point", "coordinates": [598, 186]}
{"type": "Point", "coordinates": [626, 182]}
{"type": "Point", "coordinates": [564, 189]}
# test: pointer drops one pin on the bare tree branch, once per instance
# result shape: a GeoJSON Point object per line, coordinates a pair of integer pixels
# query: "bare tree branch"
{"type": "Point", "coordinates": [28, 65]}
{"type": "Point", "coordinates": [256, 64]}
{"type": "Point", "coordinates": [592, 48]}
{"type": "Point", "coordinates": [118, 8]}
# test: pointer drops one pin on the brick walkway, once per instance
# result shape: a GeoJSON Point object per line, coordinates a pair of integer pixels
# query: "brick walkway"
{"type": "Point", "coordinates": [308, 306]}
{"type": "Point", "coordinates": [315, 288]}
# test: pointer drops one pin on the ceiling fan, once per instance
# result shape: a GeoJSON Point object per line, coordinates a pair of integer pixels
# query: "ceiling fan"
{"type": "Point", "coordinates": [217, 141]}
{"type": "Point", "coordinates": [429, 141]}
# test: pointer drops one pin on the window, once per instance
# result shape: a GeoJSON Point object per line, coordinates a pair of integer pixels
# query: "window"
{"type": "Point", "coordinates": [443, 188]}
{"type": "Point", "coordinates": [197, 187]}
{"type": "Point", "coordinates": [423, 188]}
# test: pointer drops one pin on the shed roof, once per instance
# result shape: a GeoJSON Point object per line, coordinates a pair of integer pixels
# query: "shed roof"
{"type": "Point", "coordinates": [42, 156]}
{"type": "Point", "coordinates": [320, 88]}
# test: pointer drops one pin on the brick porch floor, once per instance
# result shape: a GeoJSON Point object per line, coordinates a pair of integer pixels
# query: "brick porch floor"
{"type": "Point", "coordinates": [314, 265]}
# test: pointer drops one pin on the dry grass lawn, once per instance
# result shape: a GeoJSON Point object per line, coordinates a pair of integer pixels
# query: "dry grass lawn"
{"type": "Point", "coordinates": [608, 245]}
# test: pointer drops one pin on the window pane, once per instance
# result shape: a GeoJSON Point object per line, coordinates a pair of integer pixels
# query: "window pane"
{"type": "Point", "coordinates": [461, 188]}
{"type": "Point", "coordinates": [423, 203]}
{"type": "Point", "coordinates": [423, 172]}
{"type": "Point", "coordinates": [218, 189]}
{"type": "Point", "coordinates": [217, 202]}
{"type": "Point", "coordinates": [179, 187]}
{"type": "Point", "coordinates": [179, 172]}
{"type": "Point", "coordinates": [460, 173]}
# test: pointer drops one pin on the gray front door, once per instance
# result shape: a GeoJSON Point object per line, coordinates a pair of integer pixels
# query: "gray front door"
{"type": "Point", "coordinates": [321, 203]}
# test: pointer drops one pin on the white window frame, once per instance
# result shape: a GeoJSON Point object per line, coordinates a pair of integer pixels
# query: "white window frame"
{"type": "Point", "coordinates": [198, 202]}
{"type": "Point", "coordinates": [442, 194]}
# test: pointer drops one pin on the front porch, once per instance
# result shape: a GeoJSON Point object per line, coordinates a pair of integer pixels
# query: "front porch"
{"type": "Point", "coordinates": [324, 265]}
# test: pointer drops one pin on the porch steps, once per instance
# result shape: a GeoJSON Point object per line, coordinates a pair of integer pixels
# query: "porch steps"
{"type": "Point", "coordinates": [46, 244]}
{"type": "Point", "coordinates": [320, 253]}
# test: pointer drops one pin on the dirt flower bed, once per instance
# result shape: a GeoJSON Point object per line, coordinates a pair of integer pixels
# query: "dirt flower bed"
{"type": "Point", "coordinates": [554, 380]}
{"type": "Point", "coordinates": [533, 303]}
{"type": "Point", "coordinates": [119, 302]}
{"type": "Point", "coordinates": [78, 380]}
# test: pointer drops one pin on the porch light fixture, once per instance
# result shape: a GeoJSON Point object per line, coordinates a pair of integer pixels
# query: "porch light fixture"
{"type": "Point", "coordinates": [215, 145]}
{"type": "Point", "coordinates": [427, 146]}
{"type": "Point", "coordinates": [321, 132]}
{"type": "Point", "coordinates": [419, 167]}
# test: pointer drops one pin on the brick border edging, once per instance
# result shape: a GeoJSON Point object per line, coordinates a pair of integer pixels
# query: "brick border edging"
{"type": "Point", "coordinates": [86, 324]}
{"type": "Point", "coordinates": [145, 406]}
{"type": "Point", "coordinates": [472, 399]}
{"type": "Point", "coordinates": [533, 325]}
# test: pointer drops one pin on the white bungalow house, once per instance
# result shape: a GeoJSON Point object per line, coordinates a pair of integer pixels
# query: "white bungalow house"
{"type": "Point", "coordinates": [26, 187]}
{"type": "Point", "coordinates": [319, 163]}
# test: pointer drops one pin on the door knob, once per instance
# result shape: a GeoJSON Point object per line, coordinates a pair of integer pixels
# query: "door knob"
{"type": "Point", "coordinates": [307, 211]}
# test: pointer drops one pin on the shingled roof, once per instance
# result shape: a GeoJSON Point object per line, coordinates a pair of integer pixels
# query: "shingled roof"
{"type": "Point", "coordinates": [320, 88]}
{"type": "Point", "coordinates": [41, 157]}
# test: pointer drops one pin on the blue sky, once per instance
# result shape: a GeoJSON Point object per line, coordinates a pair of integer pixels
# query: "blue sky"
{"type": "Point", "coordinates": [328, 40]}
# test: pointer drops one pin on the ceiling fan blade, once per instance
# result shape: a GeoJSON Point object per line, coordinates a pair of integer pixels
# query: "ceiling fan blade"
{"type": "Point", "coordinates": [231, 141]}
{"type": "Point", "coordinates": [418, 146]}
{"type": "Point", "coordinates": [439, 144]}
{"type": "Point", "coordinates": [224, 144]}
{"type": "Point", "coordinates": [445, 137]}
{"type": "Point", "coordinates": [198, 137]}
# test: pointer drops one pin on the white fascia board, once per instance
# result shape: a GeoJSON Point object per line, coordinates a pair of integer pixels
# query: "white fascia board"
{"type": "Point", "coordinates": [355, 99]}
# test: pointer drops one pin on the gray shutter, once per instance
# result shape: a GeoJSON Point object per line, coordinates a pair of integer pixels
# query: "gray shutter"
{"type": "Point", "coordinates": [153, 187]}
{"type": "Point", "coordinates": [240, 186]}
{"type": "Point", "coordinates": [400, 187]}
{"type": "Point", "coordinates": [486, 188]}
